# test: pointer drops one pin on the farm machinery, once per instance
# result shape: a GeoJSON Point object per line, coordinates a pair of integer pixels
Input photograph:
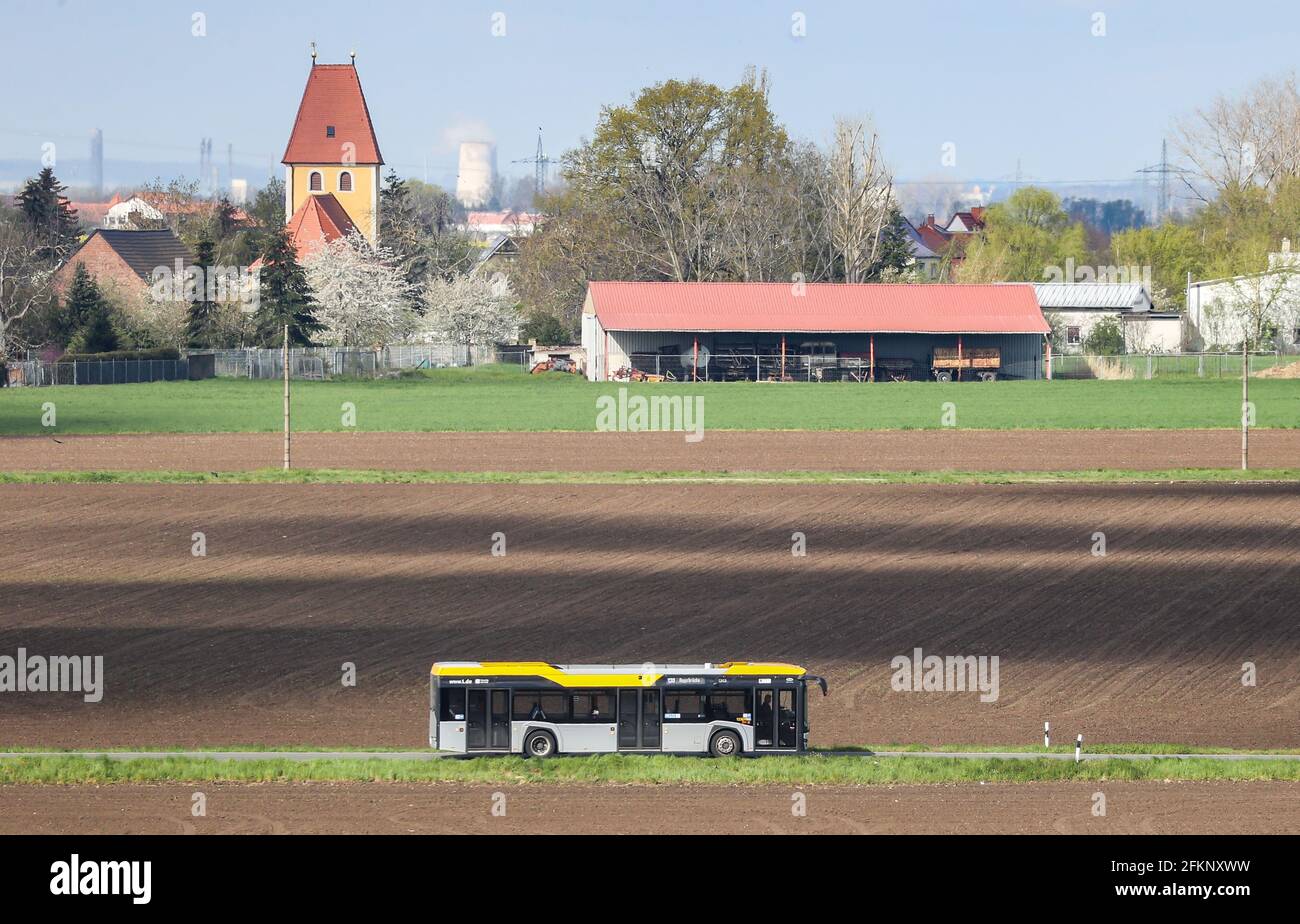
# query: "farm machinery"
{"type": "Point", "coordinates": [948, 363]}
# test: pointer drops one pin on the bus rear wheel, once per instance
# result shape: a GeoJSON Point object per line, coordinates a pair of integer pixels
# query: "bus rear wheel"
{"type": "Point", "coordinates": [725, 744]}
{"type": "Point", "coordinates": [539, 744]}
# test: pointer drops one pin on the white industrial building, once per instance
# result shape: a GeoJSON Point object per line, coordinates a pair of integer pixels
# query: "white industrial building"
{"type": "Point", "coordinates": [1220, 310]}
{"type": "Point", "coordinates": [1076, 307]}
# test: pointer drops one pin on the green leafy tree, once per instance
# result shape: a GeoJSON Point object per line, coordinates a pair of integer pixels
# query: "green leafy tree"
{"type": "Point", "coordinates": [418, 224]}
{"type": "Point", "coordinates": [202, 315]}
{"type": "Point", "coordinates": [284, 296]}
{"type": "Point", "coordinates": [546, 329]}
{"type": "Point", "coordinates": [1028, 238]}
{"type": "Point", "coordinates": [50, 216]}
{"type": "Point", "coordinates": [1105, 338]}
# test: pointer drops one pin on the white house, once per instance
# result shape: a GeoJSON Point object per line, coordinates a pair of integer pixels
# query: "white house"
{"type": "Point", "coordinates": [1221, 311]}
{"type": "Point", "coordinates": [1076, 307]}
{"type": "Point", "coordinates": [925, 261]}
{"type": "Point", "coordinates": [132, 214]}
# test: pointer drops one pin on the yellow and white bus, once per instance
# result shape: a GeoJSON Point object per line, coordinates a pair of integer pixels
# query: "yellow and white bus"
{"type": "Point", "coordinates": [539, 709]}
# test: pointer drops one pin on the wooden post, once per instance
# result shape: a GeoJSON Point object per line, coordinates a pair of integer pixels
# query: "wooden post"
{"type": "Point", "coordinates": [871, 373]}
{"type": "Point", "coordinates": [286, 397]}
{"type": "Point", "coordinates": [1048, 342]}
{"type": "Point", "coordinates": [1245, 403]}
{"type": "Point", "coordinates": [959, 357]}
{"type": "Point", "coordinates": [695, 359]}
{"type": "Point", "coordinates": [782, 379]}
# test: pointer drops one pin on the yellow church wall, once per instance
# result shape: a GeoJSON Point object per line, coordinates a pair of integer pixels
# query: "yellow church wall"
{"type": "Point", "coordinates": [361, 203]}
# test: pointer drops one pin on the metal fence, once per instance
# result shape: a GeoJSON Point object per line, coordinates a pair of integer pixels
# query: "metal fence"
{"type": "Point", "coordinates": [97, 371]}
{"type": "Point", "coordinates": [331, 362]}
{"type": "Point", "coordinates": [445, 355]}
{"type": "Point", "coordinates": [1164, 365]}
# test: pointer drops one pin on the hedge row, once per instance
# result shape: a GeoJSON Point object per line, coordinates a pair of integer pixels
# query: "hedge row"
{"type": "Point", "coordinates": [164, 353]}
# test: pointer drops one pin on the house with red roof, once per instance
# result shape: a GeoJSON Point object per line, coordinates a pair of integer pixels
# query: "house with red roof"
{"type": "Point", "coordinates": [778, 331]}
{"type": "Point", "coordinates": [332, 161]}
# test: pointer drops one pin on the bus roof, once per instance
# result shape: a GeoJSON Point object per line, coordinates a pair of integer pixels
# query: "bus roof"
{"type": "Point", "coordinates": [644, 673]}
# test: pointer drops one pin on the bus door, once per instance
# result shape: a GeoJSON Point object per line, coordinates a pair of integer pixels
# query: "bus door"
{"type": "Point", "coordinates": [487, 720]}
{"type": "Point", "coordinates": [765, 714]}
{"type": "Point", "coordinates": [500, 720]}
{"type": "Point", "coordinates": [787, 718]}
{"type": "Point", "coordinates": [639, 719]}
{"type": "Point", "coordinates": [476, 720]}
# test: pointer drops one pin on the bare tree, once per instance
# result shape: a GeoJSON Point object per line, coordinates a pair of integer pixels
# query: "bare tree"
{"type": "Point", "coordinates": [25, 282]}
{"type": "Point", "coordinates": [1256, 306]}
{"type": "Point", "coordinates": [1250, 140]}
{"type": "Point", "coordinates": [857, 194]}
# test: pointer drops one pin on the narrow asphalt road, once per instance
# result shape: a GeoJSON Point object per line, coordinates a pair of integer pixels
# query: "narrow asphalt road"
{"type": "Point", "coordinates": [434, 755]}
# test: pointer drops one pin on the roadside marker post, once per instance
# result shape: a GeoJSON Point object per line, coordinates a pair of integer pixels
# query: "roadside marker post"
{"type": "Point", "coordinates": [1078, 748]}
{"type": "Point", "coordinates": [1245, 405]}
{"type": "Point", "coordinates": [286, 397]}
{"type": "Point", "coordinates": [1047, 735]}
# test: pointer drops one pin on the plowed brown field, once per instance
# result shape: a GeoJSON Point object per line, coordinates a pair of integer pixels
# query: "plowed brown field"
{"type": "Point", "coordinates": [725, 450]}
{"type": "Point", "coordinates": [401, 808]}
{"type": "Point", "coordinates": [246, 645]}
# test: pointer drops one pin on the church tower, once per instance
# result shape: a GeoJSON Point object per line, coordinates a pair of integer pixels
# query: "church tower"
{"type": "Point", "coordinates": [333, 154]}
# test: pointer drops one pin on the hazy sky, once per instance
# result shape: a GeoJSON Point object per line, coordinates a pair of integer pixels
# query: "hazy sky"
{"type": "Point", "coordinates": [999, 80]}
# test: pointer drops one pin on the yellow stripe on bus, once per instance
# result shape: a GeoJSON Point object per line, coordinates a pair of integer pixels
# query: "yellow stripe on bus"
{"type": "Point", "coordinates": [566, 679]}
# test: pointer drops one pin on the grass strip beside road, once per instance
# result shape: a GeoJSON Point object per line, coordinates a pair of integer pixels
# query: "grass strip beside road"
{"type": "Point", "coordinates": [637, 769]}
{"type": "Point", "coordinates": [373, 476]}
{"type": "Point", "coordinates": [496, 399]}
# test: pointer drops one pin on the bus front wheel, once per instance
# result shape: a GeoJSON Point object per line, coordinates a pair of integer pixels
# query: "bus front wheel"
{"type": "Point", "coordinates": [725, 744]}
{"type": "Point", "coordinates": [539, 744]}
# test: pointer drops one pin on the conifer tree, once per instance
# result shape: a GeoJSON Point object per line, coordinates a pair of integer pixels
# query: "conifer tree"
{"type": "Point", "coordinates": [48, 213]}
{"type": "Point", "coordinates": [284, 297]}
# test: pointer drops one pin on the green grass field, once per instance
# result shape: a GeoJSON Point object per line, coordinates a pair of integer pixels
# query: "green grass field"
{"type": "Point", "coordinates": [636, 769]}
{"type": "Point", "coordinates": [504, 398]}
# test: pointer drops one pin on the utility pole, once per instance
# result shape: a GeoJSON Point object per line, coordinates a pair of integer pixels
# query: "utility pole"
{"type": "Point", "coordinates": [1245, 403]}
{"type": "Point", "coordinates": [286, 397]}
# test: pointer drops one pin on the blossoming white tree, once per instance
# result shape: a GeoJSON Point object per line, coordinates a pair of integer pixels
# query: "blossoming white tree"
{"type": "Point", "coordinates": [362, 298]}
{"type": "Point", "coordinates": [471, 309]}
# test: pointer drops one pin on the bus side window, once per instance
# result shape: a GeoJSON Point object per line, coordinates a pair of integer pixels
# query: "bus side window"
{"type": "Point", "coordinates": [452, 704]}
{"type": "Point", "coordinates": [683, 706]}
{"type": "Point", "coordinates": [555, 707]}
{"type": "Point", "coordinates": [527, 706]}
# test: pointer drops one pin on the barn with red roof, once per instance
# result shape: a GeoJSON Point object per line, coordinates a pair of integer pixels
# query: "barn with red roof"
{"type": "Point", "coordinates": [772, 331]}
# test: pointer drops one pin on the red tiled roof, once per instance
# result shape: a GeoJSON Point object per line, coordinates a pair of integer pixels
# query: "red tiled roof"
{"type": "Point", "coordinates": [824, 307]}
{"type": "Point", "coordinates": [508, 217]}
{"type": "Point", "coordinates": [932, 237]}
{"type": "Point", "coordinates": [319, 220]}
{"type": "Point", "coordinates": [332, 97]}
